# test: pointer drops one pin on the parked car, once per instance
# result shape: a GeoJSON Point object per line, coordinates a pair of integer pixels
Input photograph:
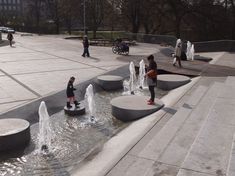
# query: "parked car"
{"type": "Point", "coordinates": [10, 30]}
{"type": "Point", "coordinates": [6, 29]}
{"type": "Point", "coordinates": [2, 28]}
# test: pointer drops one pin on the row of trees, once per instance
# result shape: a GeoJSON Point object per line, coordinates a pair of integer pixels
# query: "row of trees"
{"type": "Point", "coordinates": [192, 19]}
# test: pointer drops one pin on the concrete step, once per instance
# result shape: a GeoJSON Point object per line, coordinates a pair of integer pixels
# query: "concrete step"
{"type": "Point", "coordinates": [186, 135]}
{"type": "Point", "coordinates": [210, 152]}
{"type": "Point", "coordinates": [230, 80]}
{"type": "Point", "coordinates": [158, 143]}
{"type": "Point", "coordinates": [135, 164]}
{"type": "Point", "coordinates": [231, 167]}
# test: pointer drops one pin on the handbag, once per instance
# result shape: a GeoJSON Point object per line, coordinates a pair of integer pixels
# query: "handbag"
{"type": "Point", "coordinates": [152, 73]}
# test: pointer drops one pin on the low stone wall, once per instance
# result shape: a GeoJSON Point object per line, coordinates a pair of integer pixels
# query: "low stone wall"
{"type": "Point", "coordinates": [154, 39]}
{"type": "Point", "coordinates": [215, 46]}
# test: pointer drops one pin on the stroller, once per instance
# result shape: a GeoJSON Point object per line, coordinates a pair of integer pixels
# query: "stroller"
{"type": "Point", "coordinates": [120, 47]}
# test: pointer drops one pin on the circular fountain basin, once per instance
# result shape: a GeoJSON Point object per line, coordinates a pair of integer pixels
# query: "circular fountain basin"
{"type": "Point", "coordinates": [110, 82]}
{"type": "Point", "coordinates": [171, 81]}
{"type": "Point", "coordinates": [14, 133]}
{"type": "Point", "coordinates": [75, 111]}
{"type": "Point", "coordinates": [128, 108]}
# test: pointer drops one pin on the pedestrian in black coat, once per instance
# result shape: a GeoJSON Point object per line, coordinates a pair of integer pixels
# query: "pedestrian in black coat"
{"type": "Point", "coordinates": [70, 93]}
{"type": "Point", "coordinates": [86, 47]}
{"type": "Point", "coordinates": [10, 38]}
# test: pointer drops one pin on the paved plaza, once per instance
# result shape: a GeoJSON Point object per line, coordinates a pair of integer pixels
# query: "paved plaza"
{"type": "Point", "coordinates": [38, 66]}
{"type": "Point", "coordinates": [193, 135]}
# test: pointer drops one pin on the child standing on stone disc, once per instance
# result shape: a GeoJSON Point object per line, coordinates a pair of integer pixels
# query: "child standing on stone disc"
{"type": "Point", "coordinates": [70, 93]}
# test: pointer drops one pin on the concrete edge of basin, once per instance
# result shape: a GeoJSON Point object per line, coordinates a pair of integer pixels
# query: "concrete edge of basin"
{"type": "Point", "coordinates": [114, 149]}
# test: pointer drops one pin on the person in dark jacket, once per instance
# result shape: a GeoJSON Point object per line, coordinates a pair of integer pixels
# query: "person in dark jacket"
{"type": "Point", "coordinates": [151, 78]}
{"type": "Point", "coordinates": [86, 47]}
{"type": "Point", "coordinates": [10, 38]}
{"type": "Point", "coordinates": [70, 93]}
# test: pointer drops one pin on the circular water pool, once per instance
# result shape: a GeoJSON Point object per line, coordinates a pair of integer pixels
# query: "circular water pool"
{"type": "Point", "coordinates": [74, 139]}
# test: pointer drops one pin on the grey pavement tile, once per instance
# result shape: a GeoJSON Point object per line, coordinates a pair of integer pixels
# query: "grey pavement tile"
{"type": "Point", "coordinates": [13, 91]}
{"type": "Point", "coordinates": [40, 66]}
{"type": "Point", "coordinates": [48, 82]}
{"type": "Point", "coordinates": [183, 172]}
{"type": "Point", "coordinates": [131, 165]}
{"type": "Point", "coordinates": [211, 150]}
{"type": "Point", "coordinates": [8, 106]}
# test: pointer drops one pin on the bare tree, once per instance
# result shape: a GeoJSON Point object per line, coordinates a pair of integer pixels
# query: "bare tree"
{"type": "Point", "coordinates": [95, 14]}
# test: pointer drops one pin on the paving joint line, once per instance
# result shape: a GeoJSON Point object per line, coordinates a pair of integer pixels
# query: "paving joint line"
{"type": "Point", "coordinates": [16, 101]}
{"type": "Point", "coordinates": [63, 58]}
{"type": "Point", "coordinates": [22, 84]}
{"type": "Point", "coordinates": [18, 74]}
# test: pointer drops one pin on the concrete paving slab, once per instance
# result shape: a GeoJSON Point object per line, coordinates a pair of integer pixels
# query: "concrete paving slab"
{"type": "Point", "coordinates": [226, 60]}
{"type": "Point", "coordinates": [230, 80]}
{"type": "Point", "coordinates": [231, 167]}
{"type": "Point", "coordinates": [131, 165]}
{"type": "Point", "coordinates": [40, 66]}
{"type": "Point", "coordinates": [13, 91]}
{"type": "Point", "coordinates": [15, 49]}
{"type": "Point", "coordinates": [48, 82]}
{"type": "Point", "coordinates": [183, 172]}
{"type": "Point", "coordinates": [8, 106]}
{"type": "Point", "coordinates": [160, 169]}
{"type": "Point", "coordinates": [227, 92]}
{"type": "Point", "coordinates": [18, 57]}
{"type": "Point", "coordinates": [210, 152]}
{"type": "Point", "coordinates": [223, 111]}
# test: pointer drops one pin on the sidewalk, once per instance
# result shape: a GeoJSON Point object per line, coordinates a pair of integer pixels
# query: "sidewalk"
{"type": "Point", "coordinates": [38, 66]}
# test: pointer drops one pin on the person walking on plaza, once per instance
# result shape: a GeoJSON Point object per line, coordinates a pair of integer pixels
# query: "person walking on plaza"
{"type": "Point", "coordinates": [86, 47]}
{"type": "Point", "coordinates": [70, 94]}
{"type": "Point", "coordinates": [151, 78]}
{"type": "Point", "coordinates": [10, 38]}
{"type": "Point", "coordinates": [178, 51]}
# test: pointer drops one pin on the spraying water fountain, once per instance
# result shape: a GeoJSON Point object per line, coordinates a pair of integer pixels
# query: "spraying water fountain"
{"type": "Point", "coordinates": [192, 51]}
{"type": "Point", "coordinates": [72, 139]}
{"type": "Point", "coordinates": [188, 52]}
{"type": "Point", "coordinates": [89, 96]}
{"type": "Point", "coordinates": [45, 132]}
{"type": "Point", "coordinates": [142, 73]}
{"type": "Point", "coordinates": [132, 78]}
{"type": "Point", "coordinates": [130, 86]}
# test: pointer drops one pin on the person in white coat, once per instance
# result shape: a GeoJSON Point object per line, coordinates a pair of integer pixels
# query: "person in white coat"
{"type": "Point", "coordinates": [178, 50]}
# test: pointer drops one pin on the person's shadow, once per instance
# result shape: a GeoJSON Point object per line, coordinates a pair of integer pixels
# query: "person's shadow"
{"type": "Point", "coordinates": [95, 59]}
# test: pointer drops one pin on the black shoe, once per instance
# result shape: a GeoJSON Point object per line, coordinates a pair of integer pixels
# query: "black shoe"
{"type": "Point", "coordinates": [83, 55]}
{"type": "Point", "coordinates": [76, 104]}
{"type": "Point", "coordinates": [68, 105]}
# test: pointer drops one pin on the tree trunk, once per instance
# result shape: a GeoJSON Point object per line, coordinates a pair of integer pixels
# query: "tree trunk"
{"type": "Point", "coordinates": [94, 33]}
{"type": "Point", "coordinates": [178, 21]}
{"type": "Point", "coordinates": [146, 28]}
